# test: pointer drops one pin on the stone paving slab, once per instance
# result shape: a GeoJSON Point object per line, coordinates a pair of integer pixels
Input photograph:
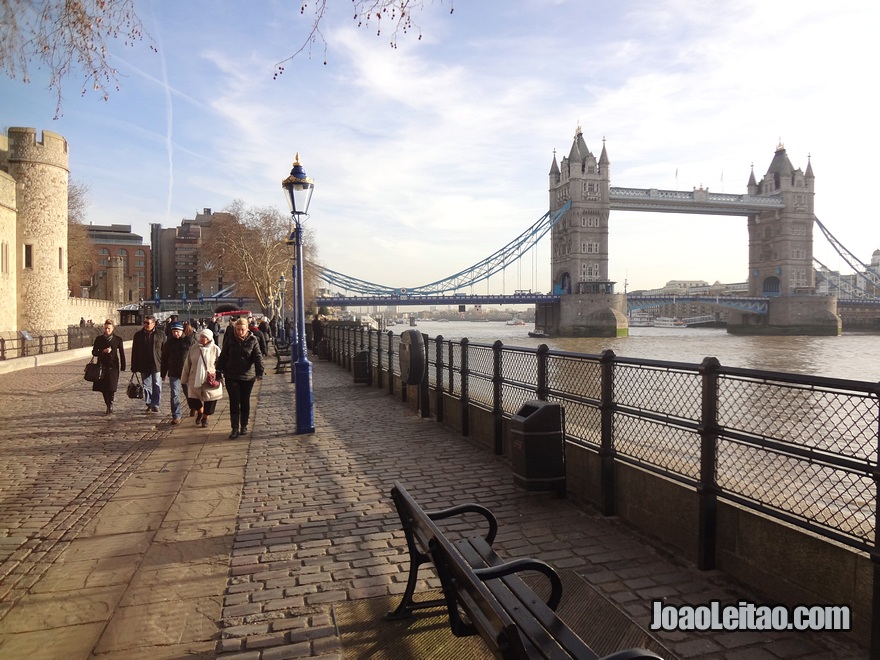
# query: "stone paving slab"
{"type": "Point", "coordinates": [115, 530]}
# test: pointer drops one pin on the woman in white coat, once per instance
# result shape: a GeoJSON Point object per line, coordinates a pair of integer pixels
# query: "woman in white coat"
{"type": "Point", "coordinates": [201, 360]}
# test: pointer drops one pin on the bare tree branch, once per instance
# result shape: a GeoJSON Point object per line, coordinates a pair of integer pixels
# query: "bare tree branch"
{"type": "Point", "coordinates": [395, 16]}
{"type": "Point", "coordinates": [66, 36]}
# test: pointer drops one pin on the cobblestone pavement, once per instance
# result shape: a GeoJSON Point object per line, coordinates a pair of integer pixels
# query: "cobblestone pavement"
{"type": "Point", "coordinates": [317, 528]}
{"type": "Point", "coordinates": [125, 537]}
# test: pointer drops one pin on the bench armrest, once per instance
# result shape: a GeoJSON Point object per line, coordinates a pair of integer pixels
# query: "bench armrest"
{"type": "Point", "coordinates": [469, 508]}
{"type": "Point", "coordinates": [520, 565]}
{"type": "Point", "coordinates": [632, 654]}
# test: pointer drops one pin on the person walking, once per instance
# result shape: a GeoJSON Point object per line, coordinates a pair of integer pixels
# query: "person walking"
{"type": "Point", "coordinates": [241, 362]}
{"type": "Point", "coordinates": [111, 356]}
{"type": "Point", "coordinates": [317, 333]}
{"type": "Point", "coordinates": [146, 358]}
{"type": "Point", "coordinates": [174, 352]}
{"type": "Point", "coordinates": [261, 338]}
{"type": "Point", "coordinates": [201, 360]}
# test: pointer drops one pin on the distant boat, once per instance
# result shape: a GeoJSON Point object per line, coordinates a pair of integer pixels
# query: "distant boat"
{"type": "Point", "coordinates": [669, 322]}
{"type": "Point", "coordinates": [516, 321]}
{"type": "Point", "coordinates": [538, 334]}
{"type": "Point", "coordinates": [641, 320]}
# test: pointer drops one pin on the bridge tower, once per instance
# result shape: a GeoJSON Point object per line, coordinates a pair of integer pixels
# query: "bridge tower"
{"type": "Point", "coordinates": [781, 256]}
{"type": "Point", "coordinates": [781, 241]}
{"type": "Point", "coordinates": [579, 248]}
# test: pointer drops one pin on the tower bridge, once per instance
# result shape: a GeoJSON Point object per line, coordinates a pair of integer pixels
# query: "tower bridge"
{"type": "Point", "coordinates": [781, 298]}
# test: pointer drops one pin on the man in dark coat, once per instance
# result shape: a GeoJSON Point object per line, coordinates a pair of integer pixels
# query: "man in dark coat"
{"type": "Point", "coordinates": [146, 358]}
{"type": "Point", "coordinates": [174, 352]}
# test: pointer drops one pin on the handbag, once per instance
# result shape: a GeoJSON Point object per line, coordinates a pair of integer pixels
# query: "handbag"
{"type": "Point", "coordinates": [135, 389]}
{"type": "Point", "coordinates": [211, 382]}
{"type": "Point", "coordinates": [92, 371]}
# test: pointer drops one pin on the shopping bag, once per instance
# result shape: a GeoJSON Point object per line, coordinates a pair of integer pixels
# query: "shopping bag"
{"type": "Point", "coordinates": [135, 389]}
{"type": "Point", "coordinates": [92, 371]}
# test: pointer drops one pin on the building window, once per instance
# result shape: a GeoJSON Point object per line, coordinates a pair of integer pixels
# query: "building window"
{"type": "Point", "coordinates": [28, 256]}
{"type": "Point", "coordinates": [60, 259]}
{"type": "Point", "coordinates": [4, 257]}
{"type": "Point", "coordinates": [140, 253]}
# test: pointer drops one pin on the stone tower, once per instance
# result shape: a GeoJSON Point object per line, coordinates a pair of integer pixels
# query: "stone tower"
{"type": "Point", "coordinates": [781, 241]}
{"type": "Point", "coordinates": [40, 170]}
{"type": "Point", "coordinates": [588, 306]}
{"type": "Point", "coordinates": [579, 252]}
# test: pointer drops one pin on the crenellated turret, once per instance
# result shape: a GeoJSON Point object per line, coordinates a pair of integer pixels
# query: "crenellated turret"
{"type": "Point", "coordinates": [40, 170]}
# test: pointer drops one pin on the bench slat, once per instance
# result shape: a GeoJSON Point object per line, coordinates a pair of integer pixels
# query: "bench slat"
{"type": "Point", "coordinates": [497, 603]}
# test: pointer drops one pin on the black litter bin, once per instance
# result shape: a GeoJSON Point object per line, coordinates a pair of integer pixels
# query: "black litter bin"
{"type": "Point", "coordinates": [536, 447]}
{"type": "Point", "coordinates": [361, 367]}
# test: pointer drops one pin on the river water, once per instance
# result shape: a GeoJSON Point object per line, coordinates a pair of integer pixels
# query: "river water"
{"type": "Point", "coordinates": [854, 356]}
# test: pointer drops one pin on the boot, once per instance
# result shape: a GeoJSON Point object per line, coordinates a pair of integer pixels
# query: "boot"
{"type": "Point", "coordinates": [244, 424]}
{"type": "Point", "coordinates": [110, 408]}
{"type": "Point", "coordinates": [234, 419]}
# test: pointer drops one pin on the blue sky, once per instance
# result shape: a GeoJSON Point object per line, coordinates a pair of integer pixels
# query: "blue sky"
{"type": "Point", "coordinates": [429, 157]}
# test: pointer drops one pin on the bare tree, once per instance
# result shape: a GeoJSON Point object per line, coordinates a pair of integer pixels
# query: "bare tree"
{"type": "Point", "coordinates": [391, 17]}
{"type": "Point", "coordinates": [81, 254]}
{"type": "Point", "coordinates": [250, 246]}
{"type": "Point", "coordinates": [66, 36]}
{"type": "Point", "coordinates": [70, 36]}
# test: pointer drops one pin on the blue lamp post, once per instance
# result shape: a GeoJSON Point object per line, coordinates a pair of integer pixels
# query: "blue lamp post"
{"type": "Point", "coordinates": [298, 190]}
{"type": "Point", "coordinates": [279, 325]}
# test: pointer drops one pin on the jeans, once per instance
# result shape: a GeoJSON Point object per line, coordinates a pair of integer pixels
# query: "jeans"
{"type": "Point", "coordinates": [174, 383]}
{"type": "Point", "coordinates": [152, 388]}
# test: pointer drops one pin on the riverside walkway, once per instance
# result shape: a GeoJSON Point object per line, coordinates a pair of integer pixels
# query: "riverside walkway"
{"type": "Point", "coordinates": [123, 536]}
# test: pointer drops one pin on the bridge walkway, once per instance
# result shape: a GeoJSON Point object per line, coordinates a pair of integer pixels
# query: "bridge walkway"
{"type": "Point", "coordinates": [126, 537]}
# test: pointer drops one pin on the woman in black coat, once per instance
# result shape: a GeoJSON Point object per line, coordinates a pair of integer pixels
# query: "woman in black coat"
{"type": "Point", "coordinates": [241, 363]}
{"type": "Point", "coordinates": [111, 356]}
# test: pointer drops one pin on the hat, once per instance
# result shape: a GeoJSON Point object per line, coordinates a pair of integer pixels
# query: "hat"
{"type": "Point", "coordinates": [207, 333]}
{"type": "Point", "coordinates": [177, 326]}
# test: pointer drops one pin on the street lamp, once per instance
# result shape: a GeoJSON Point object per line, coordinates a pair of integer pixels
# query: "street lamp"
{"type": "Point", "coordinates": [298, 190]}
{"type": "Point", "coordinates": [279, 321]}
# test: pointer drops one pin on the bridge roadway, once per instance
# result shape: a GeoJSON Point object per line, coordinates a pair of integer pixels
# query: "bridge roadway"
{"type": "Point", "coordinates": [123, 536]}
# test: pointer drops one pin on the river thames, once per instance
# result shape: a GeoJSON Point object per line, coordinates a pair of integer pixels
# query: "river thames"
{"type": "Point", "coordinates": [854, 356]}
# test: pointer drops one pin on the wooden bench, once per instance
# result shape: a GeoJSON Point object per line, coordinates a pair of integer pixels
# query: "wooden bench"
{"type": "Point", "coordinates": [496, 602]}
{"type": "Point", "coordinates": [282, 356]}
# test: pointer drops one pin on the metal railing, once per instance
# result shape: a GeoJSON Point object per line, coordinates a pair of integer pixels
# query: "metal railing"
{"type": "Point", "coordinates": [25, 345]}
{"type": "Point", "coordinates": [801, 449]}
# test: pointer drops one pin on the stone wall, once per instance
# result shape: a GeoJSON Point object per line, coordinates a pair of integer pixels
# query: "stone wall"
{"type": "Point", "coordinates": [8, 246]}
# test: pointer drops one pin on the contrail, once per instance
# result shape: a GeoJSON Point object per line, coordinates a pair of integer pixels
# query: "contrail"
{"type": "Point", "coordinates": [169, 127]}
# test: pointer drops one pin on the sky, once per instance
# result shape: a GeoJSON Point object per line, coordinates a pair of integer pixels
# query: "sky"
{"type": "Point", "coordinates": [430, 156]}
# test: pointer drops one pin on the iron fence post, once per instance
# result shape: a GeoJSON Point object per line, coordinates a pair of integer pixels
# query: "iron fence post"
{"type": "Point", "coordinates": [707, 490]}
{"type": "Point", "coordinates": [370, 357]}
{"type": "Point", "coordinates": [2, 348]}
{"type": "Point", "coordinates": [606, 446]}
{"type": "Point", "coordinates": [465, 396]}
{"type": "Point", "coordinates": [497, 410]}
{"type": "Point", "coordinates": [379, 374]}
{"type": "Point", "coordinates": [390, 362]}
{"type": "Point", "coordinates": [438, 389]}
{"type": "Point", "coordinates": [424, 389]}
{"type": "Point", "coordinates": [541, 390]}
{"type": "Point", "coordinates": [875, 551]}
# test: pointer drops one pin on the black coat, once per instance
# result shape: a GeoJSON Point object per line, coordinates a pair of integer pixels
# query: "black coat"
{"type": "Point", "coordinates": [111, 363]}
{"type": "Point", "coordinates": [146, 351]}
{"type": "Point", "coordinates": [241, 359]}
{"type": "Point", "coordinates": [173, 355]}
